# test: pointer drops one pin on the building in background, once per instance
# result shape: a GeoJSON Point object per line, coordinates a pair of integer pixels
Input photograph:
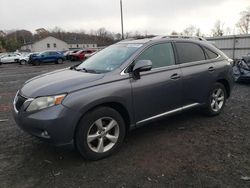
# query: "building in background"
{"type": "Point", "coordinates": [234, 46]}
{"type": "Point", "coordinates": [52, 43]}
{"type": "Point", "coordinates": [75, 44]}
{"type": "Point", "coordinates": [45, 44]}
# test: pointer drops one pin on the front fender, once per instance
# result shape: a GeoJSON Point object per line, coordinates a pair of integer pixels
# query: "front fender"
{"type": "Point", "coordinates": [116, 92]}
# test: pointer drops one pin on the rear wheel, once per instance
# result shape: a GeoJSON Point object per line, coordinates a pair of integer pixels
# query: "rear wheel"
{"type": "Point", "coordinates": [100, 133]}
{"type": "Point", "coordinates": [23, 62]}
{"type": "Point", "coordinates": [216, 100]}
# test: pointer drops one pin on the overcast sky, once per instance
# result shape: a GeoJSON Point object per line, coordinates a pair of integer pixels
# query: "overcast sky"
{"type": "Point", "coordinates": [151, 16]}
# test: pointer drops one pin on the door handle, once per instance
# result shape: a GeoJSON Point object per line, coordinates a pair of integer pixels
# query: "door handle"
{"type": "Point", "coordinates": [175, 76]}
{"type": "Point", "coordinates": [211, 69]}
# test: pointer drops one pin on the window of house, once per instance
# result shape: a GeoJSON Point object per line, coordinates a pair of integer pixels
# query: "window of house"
{"type": "Point", "coordinates": [48, 45]}
{"type": "Point", "coordinates": [161, 55]}
{"type": "Point", "coordinates": [77, 45]}
{"type": "Point", "coordinates": [54, 45]}
{"type": "Point", "coordinates": [189, 52]}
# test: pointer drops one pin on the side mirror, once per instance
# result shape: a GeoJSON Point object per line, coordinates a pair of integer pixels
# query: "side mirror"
{"type": "Point", "coordinates": [141, 66]}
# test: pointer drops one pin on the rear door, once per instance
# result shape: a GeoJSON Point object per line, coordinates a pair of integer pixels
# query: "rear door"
{"type": "Point", "coordinates": [197, 72]}
{"type": "Point", "coordinates": [157, 91]}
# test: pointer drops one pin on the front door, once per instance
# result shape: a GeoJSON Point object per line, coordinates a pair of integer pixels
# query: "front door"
{"type": "Point", "coordinates": [158, 91]}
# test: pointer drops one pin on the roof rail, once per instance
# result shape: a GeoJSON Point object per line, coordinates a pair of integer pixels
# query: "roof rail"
{"type": "Point", "coordinates": [138, 38]}
{"type": "Point", "coordinates": [179, 37]}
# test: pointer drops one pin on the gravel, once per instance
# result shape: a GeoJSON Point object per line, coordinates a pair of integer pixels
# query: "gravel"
{"type": "Point", "coordinates": [186, 150]}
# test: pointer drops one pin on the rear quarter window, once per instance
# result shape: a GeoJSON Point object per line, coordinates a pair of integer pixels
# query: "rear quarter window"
{"type": "Point", "coordinates": [210, 53]}
{"type": "Point", "coordinates": [189, 52]}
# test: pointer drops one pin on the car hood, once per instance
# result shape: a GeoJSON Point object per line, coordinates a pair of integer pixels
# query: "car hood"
{"type": "Point", "coordinates": [58, 82]}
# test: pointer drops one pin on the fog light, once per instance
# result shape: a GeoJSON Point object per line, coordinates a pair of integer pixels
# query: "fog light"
{"type": "Point", "coordinates": [45, 134]}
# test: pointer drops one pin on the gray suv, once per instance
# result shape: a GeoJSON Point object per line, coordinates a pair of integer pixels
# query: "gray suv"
{"type": "Point", "coordinates": [124, 86]}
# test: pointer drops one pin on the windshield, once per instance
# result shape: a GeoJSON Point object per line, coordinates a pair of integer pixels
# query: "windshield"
{"type": "Point", "coordinates": [109, 58]}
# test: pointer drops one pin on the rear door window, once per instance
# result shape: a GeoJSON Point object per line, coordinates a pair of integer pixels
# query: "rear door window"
{"type": "Point", "coordinates": [189, 52]}
{"type": "Point", "coordinates": [161, 55]}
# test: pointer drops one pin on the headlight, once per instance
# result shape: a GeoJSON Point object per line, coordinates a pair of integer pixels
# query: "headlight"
{"type": "Point", "coordinates": [45, 102]}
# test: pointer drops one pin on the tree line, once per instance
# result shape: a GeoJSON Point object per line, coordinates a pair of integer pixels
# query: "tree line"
{"type": "Point", "coordinates": [13, 40]}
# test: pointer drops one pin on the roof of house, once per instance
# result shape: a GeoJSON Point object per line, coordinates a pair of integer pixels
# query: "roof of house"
{"type": "Point", "coordinates": [72, 41]}
{"type": "Point", "coordinates": [41, 40]}
{"type": "Point", "coordinates": [75, 41]}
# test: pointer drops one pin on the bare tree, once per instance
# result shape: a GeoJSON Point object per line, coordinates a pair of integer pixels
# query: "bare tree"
{"type": "Point", "coordinates": [218, 29]}
{"type": "Point", "coordinates": [190, 30]}
{"type": "Point", "coordinates": [198, 32]}
{"type": "Point", "coordinates": [228, 31]}
{"type": "Point", "coordinates": [174, 33]}
{"type": "Point", "coordinates": [128, 35]}
{"type": "Point", "coordinates": [244, 23]}
{"type": "Point", "coordinates": [102, 32]}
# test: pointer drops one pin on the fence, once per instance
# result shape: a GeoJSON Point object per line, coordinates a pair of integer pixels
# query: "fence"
{"type": "Point", "coordinates": [234, 46]}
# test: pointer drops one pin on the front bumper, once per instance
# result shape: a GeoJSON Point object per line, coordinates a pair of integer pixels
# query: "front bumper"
{"type": "Point", "coordinates": [55, 125]}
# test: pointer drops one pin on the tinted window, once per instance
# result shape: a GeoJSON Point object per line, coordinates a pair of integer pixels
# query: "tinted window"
{"type": "Point", "coordinates": [45, 53]}
{"type": "Point", "coordinates": [189, 52]}
{"type": "Point", "coordinates": [161, 55]}
{"type": "Point", "coordinates": [210, 53]}
{"type": "Point", "coordinates": [53, 53]}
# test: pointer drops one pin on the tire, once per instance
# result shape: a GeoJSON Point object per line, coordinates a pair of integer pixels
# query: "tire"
{"type": "Point", "coordinates": [216, 100]}
{"type": "Point", "coordinates": [59, 61]}
{"type": "Point", "coordinates": [72, 58]}
{"type": "Point", "coordinates": [22, 62]}
{"type": "Point", "coordinates": [94, 125]}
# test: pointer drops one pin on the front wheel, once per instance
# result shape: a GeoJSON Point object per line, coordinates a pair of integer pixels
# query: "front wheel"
{"type": "Point", "coordinates": [216, 100]}
{"type": "Point", "coordinates": [100, 133]}
{"type": "Point", "coordinates": [59, 61]}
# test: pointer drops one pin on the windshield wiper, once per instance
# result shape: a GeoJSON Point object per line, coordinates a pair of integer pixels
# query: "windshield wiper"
{"type": "Point", "coordinates": [84, 69]}
{"type": "Point", "coordinates": [88, 70]}
{"type": "Point", "coordinates": [74, 67]}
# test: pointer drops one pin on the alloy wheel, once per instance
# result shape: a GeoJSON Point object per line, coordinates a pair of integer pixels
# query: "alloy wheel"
{"type": "Point", "coordinates": [218, 99]}
{"type": "Point", "coordinates": [103, 134]}
{"type": "Point", "coordinates": [59, 61]}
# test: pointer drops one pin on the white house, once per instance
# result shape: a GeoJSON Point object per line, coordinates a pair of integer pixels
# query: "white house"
{"type": "Point", "coordinates": [48, 43]}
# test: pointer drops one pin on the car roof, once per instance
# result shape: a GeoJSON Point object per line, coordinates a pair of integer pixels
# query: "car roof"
{"type": "Point", "coordinates": [163, 38]}
{"type": "Point", "coordinates": [170, 38]}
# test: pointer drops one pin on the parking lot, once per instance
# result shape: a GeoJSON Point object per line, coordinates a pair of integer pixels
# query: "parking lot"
{"type": "Point", "coordinates": [187, 150]}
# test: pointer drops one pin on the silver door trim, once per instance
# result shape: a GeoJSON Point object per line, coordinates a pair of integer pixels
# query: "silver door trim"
{"type": "Point", "coordinates": [168, 112]}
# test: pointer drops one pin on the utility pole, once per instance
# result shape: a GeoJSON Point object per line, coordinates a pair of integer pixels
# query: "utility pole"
{"type": "Point", "coordinates": [248, 20]}
{"type": "Point", "coordinates": [122, 19]}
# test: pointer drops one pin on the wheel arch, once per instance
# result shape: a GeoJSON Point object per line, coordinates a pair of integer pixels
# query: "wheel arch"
{"type": "Point", "coordinates": [119, 107]}
{"type": "Point", "coordinates": [226, 84]}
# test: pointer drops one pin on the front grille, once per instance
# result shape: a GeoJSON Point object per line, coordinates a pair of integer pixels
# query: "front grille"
{"type": "Point", "coordinates": [19, 101]}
